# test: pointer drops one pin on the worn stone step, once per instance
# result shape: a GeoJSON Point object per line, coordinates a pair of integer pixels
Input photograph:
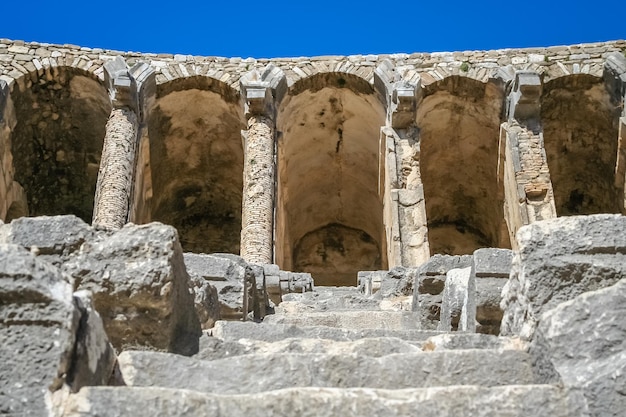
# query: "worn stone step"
{"type": "Point", "coordinates": [212, 348]}
{"type": "Point", "coordinates": [235, 330]}
{"type": "Point", "coordinates": [456, 401]}
{"type": "Point", "coordinates": [266, 372]}
{"type": "Point", "coordinates": [460, 340]}
{"type": "Point", "coordinates": [317, 302]}
{"type": "Point", "coordinates": [392, 320]}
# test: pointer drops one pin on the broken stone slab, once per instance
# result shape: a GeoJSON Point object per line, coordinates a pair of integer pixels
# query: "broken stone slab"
{"type": "Point", "coordinates": [54, 238]}
{"type": "Point", "coordinates": [206, 302]}
{"type": "Point", "coordinates": [52, 340]}
{"type": "Point", "coordinates": [233, 331]}
{"type": "Point", "coordinates": [585, 340]}
{"type": "Point", "coordinates": [475, 401]}
{"type": "Point", "coordinates": [452, 341]}
{"type": "Point", "coordinates": [213, 348]}
{"type": "Point", "coordinates": [140, 287]}
{"type": "Point", "coordinates": [38, 322]}
{"type": "Point", "coordinates": [491, 269]}
{"type": "Point", "coordinates": [284, 370]}
{"type": "Point", "coordinates": [226, 275]}
{"type": "Point", "coordinates": [94, 356]}
{"type": "Point", "coordinates": [558, 260]}
{"type": "Point", "coordinates": [492, 262]}
{"type": "Point", "coordinates": [397, 282]}
{"type": "Point", "coordinates": [429, 284]}
{"type": "Point", "coordinates": [458, 305]}
{"type": "Point", "coordinates": [229, 274]}
{"type": "Point", "coordinates": [488, 311]}
{"type": "Point", "coordinates": [393, 320]}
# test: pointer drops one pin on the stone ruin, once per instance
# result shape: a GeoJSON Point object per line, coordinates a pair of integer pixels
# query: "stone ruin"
{"type": "Point", "coordinates": [439, 234]}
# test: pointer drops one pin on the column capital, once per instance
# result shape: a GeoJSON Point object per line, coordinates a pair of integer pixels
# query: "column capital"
{"type": "Point", "coordinates": [614, 76]}
{"type": "Point", "coordinates": [130, 87]}
{"type": "Point", "coordinates": [524, 100]}
{"type": "Point", "coordinates": [263, 90]}
{"type": "Point", "coordinates": [401, 96]}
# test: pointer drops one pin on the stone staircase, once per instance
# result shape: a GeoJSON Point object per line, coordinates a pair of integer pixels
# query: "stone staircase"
{"type": "Point", "coordinates": [331, 352]}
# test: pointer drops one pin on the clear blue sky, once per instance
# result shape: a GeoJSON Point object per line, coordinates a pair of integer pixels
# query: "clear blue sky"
{"type": "Point", "coordinates": [272, 28]}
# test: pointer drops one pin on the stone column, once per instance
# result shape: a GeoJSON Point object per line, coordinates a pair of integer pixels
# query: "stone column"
{"type": "Point", "coordinates": [403, 194]}
{"type": "Point", "coordinates": [528, 194]}
{"type": "Point", "coordinates": [261, 92]}
{"type": "Point", "coordinates": [615, 79]}
{"type": "Point", "coordinates": [117, 165]}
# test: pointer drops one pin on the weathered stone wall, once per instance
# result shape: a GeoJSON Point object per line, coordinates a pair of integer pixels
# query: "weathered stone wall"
{"type": "Point", "coordinates": [435, 180]}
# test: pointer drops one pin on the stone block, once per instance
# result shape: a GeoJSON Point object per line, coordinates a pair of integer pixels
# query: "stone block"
{"type": "Point", "coordinates": [397, 282]}
{"type": "Point", "coordinates": [492, 262]}
{"type": "Point", "coordinates": [558, 260]}
{"type": "Point", "coordinates": [488, 311]}
{"type": "Point", "coordinates": [458, 305]}
{"type": "Point", "coordinates": [140, 287]}
{"type": "Point", "coordinates": [94, 356]}
{"type": "Point", "coordinates": [429, 283]}
{"type": "Point", "coordinates": [228, 274]}
{"type": "Point", "coordinates": [585, 340]}
{"type": "Point", "coordinates": [53, 238]}
{"type": "Point", "coordinates": [38, 322]}
{"type": "Point", "coordinates": [52, 340]}
{"type": "Point", "coordinates": [206, 302]}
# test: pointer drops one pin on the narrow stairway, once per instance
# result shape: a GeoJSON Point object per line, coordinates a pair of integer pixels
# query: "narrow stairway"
{"type": "Point", "coordinates": [331, 352]}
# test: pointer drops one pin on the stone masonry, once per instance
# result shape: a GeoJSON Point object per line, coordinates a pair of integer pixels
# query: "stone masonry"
{"type": "Point", "coordinates": [407, 219]}
{"type": "Point", "coordinates": [404, 234]}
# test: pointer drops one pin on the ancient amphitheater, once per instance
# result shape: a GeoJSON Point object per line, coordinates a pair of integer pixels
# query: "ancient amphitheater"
{"type": "Point", "coordinates": [400, 235]}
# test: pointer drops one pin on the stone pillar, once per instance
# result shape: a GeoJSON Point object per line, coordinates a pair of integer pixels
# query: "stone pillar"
{"type": "Point", "coordinates": [127, 89]}
{"type": "Point", "coordinates": [528, 194]}
{"type": "Point", "coordinates": [615, 79]}
{"type": "Point", "coordinates": [403, 193]}
{"type": "Point", "coordinates": [261, 92]}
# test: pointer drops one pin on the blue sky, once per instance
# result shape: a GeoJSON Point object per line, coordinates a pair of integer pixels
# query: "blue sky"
{"type": "Point", "coordinates": [272, 28]}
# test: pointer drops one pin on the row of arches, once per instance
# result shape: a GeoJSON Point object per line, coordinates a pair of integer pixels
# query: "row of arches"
{"type": "Point", "coordinates": [329, 215]}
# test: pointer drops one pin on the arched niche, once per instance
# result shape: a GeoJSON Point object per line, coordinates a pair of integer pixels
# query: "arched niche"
{"type": "Point", "coordinates": [196, 163]}
{"type": "Point", "coordinates": [329, 211]}
{"type": "Point", "coordinates": [57, 141]}
{"type": "Point", "coordinates": [580, 130]}
{"type": "Point", "coordinates": [459, 120]}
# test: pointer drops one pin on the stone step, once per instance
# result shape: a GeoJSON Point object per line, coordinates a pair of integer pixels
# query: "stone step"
{"type": "Point", "coordinates": [317, 302]}
{"type": "Point", "coordinates": [475, 401]}
{"type": "Point", "coordinates": [460, 340]}
{"type": "Point", "coordinates": [213, 348]}
{"type": "Point", "coordinates": [235, 330]}
{"type": "Point", "coordinates": [252, 373]}
{"type": "Point", "coordinates": [391, 320]}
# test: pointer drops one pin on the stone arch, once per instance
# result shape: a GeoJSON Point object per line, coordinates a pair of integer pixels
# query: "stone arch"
{"type": "Point", "coordinates": [61, 114]}
{"type": "Point", "coordinates": [196, 163]}
{"type": "Point", "coordinates": [580, 128]}
{"type": "Point", "coordinates": [459, 120]}
{"type": "Point", "coordinates": [329, 211]}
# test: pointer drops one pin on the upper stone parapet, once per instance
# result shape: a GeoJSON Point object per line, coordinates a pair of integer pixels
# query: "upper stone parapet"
{"type": "Point", "coordinates": [18, 58]}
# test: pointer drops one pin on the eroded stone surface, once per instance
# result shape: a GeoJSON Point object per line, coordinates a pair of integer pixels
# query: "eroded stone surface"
{"type": "Point", "coordinates": [558, 260]}
{"type": "Point", "coordinates": [284, 370]}
{"type": "Point", "coordinates": [585, 340]}
{"type": "Point", "coordinates": [140, 287]}
{"type": "Point", "coordinates": [514, 401]}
